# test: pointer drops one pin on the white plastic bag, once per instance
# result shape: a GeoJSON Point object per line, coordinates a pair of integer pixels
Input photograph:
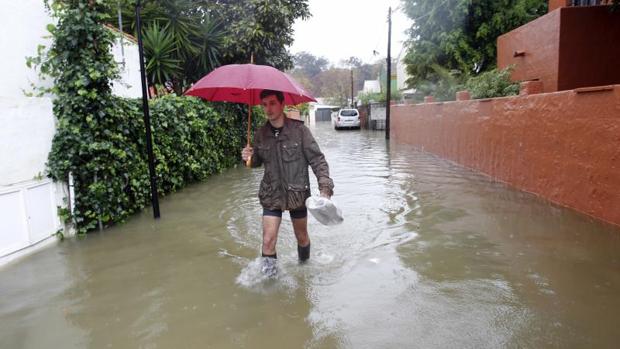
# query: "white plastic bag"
{"type": "Point", "coordinates": [324, 210]}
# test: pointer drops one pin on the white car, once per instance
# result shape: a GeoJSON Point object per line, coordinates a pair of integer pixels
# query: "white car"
{"type": "Point", "coordinates": [346, 118]}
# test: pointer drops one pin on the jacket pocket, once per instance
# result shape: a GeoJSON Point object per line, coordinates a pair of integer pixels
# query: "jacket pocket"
{"type": "Point", "coordinates": [296, 196]}
{"type": "Point", "coordinates": [298, 187]}
{"type": "Point", "coordinates": [291, 151]}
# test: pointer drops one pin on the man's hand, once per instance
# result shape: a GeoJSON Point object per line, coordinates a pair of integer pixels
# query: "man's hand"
{"type": "Point", "coordinates": [325, 195]}
{"type": "Point", "coordinates": [247, 153]}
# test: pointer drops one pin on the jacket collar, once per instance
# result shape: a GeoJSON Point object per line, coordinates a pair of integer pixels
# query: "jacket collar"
{"type": "Point", "coordinates": [284, 134]}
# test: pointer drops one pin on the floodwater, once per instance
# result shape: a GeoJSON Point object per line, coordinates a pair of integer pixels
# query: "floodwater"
{"type": "Point", "coordinates": [430, 255]}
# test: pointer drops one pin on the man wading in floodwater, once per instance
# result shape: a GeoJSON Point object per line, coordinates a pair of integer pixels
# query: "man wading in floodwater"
{"type": "Point", "coordinates": [285, 147]}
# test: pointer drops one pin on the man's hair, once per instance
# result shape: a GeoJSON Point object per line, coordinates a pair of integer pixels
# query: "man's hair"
{"type": "Point", "coordinates": [266, 93]}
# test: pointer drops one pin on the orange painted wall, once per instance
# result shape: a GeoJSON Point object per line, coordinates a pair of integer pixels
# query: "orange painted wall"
{"type": "Point", "coordinates": [540, 41]}
{"type": "Point", "coordinates": [555, 4]}
{"type": "Point", "coordinates": [565, 49]}
{"type": "Point", "coordinates": [589, 47]}
{"type": "Point", "coordinates": [563, 146]}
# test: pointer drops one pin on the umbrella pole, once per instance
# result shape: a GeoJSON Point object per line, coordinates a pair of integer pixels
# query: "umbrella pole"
{"type": "Point", "coordinates": [249, 162]}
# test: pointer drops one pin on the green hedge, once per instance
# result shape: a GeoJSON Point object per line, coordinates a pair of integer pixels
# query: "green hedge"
{"type": "Point", "coordinates": [492, 84]}
{"type": "Point", "coordinates": [100, 139]}
{"type": "Point", "coordinates": [193, 139]}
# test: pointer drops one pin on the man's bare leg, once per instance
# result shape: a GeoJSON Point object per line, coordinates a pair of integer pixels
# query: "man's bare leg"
{"type": "Point", "coordinates": [271, 225]}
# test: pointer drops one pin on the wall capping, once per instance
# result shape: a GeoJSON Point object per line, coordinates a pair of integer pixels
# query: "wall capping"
{"type": "Point", "coordinates": [606, 88]}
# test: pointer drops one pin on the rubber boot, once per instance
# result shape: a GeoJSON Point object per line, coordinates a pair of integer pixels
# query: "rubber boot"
{"type": "Point", "coordinates": [303, 253]}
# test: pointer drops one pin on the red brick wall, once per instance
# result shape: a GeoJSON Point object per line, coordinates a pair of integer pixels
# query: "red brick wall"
{"type": "Point", "coordinates": [540, 41]}
{"type": "Point", "coordinates": [563, 146]}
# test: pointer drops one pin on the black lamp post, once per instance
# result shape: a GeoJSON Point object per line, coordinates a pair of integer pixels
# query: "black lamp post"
{"type": "Point", "coordinates": [147, 118]}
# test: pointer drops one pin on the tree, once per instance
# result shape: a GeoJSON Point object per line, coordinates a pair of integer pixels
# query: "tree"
{"type": "Point", "coordinates": [353, 62]}
{"type": "Point", "coordinates": [309, 64]}
{"type": "Point", "coordinates": [162, 64]}
{"type": "Point", "coordinates": [321, 79]}
{"type": "Point", "coordinates": [368, 71]}
{"type": "Point", "coordinates": [336, 85]}
{"type": "Point", "coordinates": [182, 42]}
{"type": "Point", "coordinates": [206, 34]}
{"type": "Point", "coordinates": [307, 68]}
{"type": "Point", "coordinates": [461, 34]}
{"type": "Point", "coordinates": [263, 28]}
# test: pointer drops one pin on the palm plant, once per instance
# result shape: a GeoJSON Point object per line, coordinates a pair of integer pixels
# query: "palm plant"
{"type": "Point", "coordinates": [160, 50]}
{"type": "Point", "coordinates": [181, 42]}
{"type": "Point", "coordinates": [209, 44]}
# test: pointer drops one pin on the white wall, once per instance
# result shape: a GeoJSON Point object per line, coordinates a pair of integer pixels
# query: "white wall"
{"type": "Point", "coordinates": [28, 201]}
{"type": "Point", "coordinates": [371, 86]}
{"type": "Point", "coordinates": [27, 204]}
{"type": "Point", "coordinates": [129, 83]}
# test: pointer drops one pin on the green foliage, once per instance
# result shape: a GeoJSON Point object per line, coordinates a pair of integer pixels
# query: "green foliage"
{"type": "Point", "coordinates": [161, 54]}
{"type": "Point", "coordinates": [461, 34]}
{"type": "Point", "coordinates": [494, 83]}
{"type": "Point", "coordinates": [445, 84]}
{"type": "Point", "coordinates": [64, 214]}
{"type": "Point", "coordinates": [260, 27]}
{"type": "Point", "coordinates": [182, 42]}
{"type": "Point", "coordinates": [442, 84]}
{"type": "Point", "coordinates": [367, 98]}
{"type": "Point", "coordinates": [192, 140]}
{"type": "Point", "coordinates": [304, 109]}
{"type": "Point", "coordinates": [100, 138]}
{"type": "Point", "coordinates": [321, 79]}
{"type": "Point", "coordinates": [310, 65]}
{"type": "Point", "coordinates": [206, 34]}
{"type": "Point", "coordinates": [59, 234]}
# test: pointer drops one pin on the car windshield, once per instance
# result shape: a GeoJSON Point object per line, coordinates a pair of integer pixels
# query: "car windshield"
{"type": "Point", "coordinates": [348, 113]}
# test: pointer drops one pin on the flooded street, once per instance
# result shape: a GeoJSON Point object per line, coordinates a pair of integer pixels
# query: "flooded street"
{"type": "Point", "coordinates": [430, 255]}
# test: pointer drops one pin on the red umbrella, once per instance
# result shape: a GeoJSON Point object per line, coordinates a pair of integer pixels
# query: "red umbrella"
{"type": "Point", "coordinates": [242, 83]}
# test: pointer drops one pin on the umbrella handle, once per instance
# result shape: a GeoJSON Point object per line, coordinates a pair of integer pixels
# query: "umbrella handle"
{"type": "Point", "coordinates": [249, 162]}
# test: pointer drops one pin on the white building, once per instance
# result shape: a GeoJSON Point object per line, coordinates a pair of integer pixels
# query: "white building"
{"type": "Point", "coordinates": [320, 112]}
{"type": "Point", "coordinates": [28, 199]}
{"type": "Point", "coordinates": [372, 86]}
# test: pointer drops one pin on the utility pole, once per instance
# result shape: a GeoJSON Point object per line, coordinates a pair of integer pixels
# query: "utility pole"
{"type": "Point", "coordinates": [352, 105]}
{"type": "Point", "coordinates": [389, 76]}
{"type": "Point", "coordinates": [147, 117]}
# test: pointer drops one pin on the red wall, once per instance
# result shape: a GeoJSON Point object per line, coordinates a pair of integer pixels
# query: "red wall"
{"type": "Point", "coordinates": [555, 4]}
{"type": "Point", "coordinates": [589, 47]}
{"type": "Point", "coordinates": [565, 49]}
{"type": "Point", "coordinates": [540, 41]}
{"type": "Point", "coordinates": [563, 146]}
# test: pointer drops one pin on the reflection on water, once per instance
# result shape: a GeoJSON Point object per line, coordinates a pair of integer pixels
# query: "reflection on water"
{"type": "Point", "coordinates": [430, 255]}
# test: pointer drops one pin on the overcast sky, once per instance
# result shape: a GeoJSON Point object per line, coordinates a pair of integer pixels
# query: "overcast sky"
{"type": "Point", "coordinates": [339, 29]}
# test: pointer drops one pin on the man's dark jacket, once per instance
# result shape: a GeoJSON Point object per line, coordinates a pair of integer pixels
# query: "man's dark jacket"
{"type": "Point", "coordinates": [286, 182]}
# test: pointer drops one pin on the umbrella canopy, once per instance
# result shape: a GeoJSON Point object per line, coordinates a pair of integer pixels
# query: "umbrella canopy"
{"type": "Point", "coordinates": [242, 83]}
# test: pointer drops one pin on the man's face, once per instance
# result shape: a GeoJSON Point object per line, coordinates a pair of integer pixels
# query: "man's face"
{"type": "Point", "coordinates": [272, 107]}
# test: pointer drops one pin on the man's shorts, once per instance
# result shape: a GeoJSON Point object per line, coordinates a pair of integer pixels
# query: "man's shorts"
{"type": "Point", "coordinates": [295, 214]}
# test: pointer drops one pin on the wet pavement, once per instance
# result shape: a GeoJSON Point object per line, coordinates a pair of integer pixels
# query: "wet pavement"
{"type": "Point", "coordinates": [430, 255]}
